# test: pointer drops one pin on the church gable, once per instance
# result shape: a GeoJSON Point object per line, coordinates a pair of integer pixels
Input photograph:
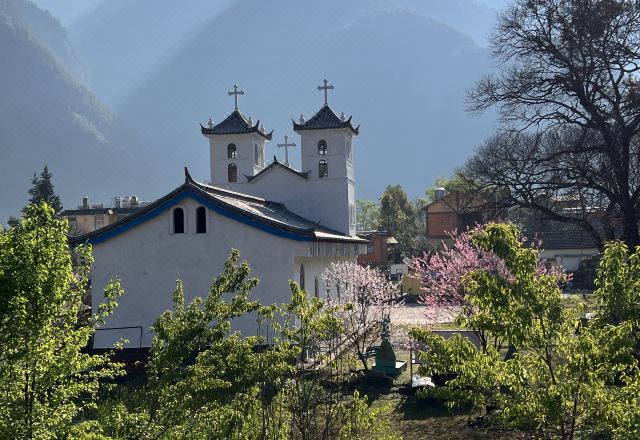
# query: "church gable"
{"type": "Point", "coordinates": [256, 212]}
{"type": "Point", "coordinates": [276, 168]}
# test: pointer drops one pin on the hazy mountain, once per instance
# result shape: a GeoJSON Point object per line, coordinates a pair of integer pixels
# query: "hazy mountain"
{"type": "Point", "coordinates": [466, 16]}
{"type": "Point", "coordinates": [401, 75]}
{"type": "Point", "coordinates": [47, 117]}
{"type": "Point", "coordinates": [123, 41]}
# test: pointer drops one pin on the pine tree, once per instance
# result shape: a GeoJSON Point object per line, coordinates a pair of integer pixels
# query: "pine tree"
{"type": "Point", "coordinates": [42, 191]}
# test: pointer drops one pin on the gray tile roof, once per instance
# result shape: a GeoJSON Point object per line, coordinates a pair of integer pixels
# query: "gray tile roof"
{"type": "Point", "coordinates": [325, 119]}
{"type": "Point", "coordinates": [559, 235]}
{"type": "Point", "coordinates": [272, 214]}
{"type": "Point", "coordinates": [274, 164]}
{"type": "Point", "coordinates": [235, 123]}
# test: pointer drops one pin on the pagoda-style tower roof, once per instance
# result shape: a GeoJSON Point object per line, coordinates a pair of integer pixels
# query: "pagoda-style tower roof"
{"type": "Point", "coordinates": [325, 119]}
{"type": "Point", "coordinates": [235, 123]}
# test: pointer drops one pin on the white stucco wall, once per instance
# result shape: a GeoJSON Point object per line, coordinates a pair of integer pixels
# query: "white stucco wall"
{"type": "Point", "coordinates": [245, 160]}
{"type": "Point", "coordinates": [148, 259]}
{"type": "Point", "coordinates": [569, 259]}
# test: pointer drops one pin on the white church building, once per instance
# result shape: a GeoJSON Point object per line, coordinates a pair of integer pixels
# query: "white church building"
{"type": "Point", "coordinates": [288, 224]}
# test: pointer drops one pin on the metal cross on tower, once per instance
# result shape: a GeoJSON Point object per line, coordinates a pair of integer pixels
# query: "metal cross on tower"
{"type": "Point", "coordinates": [326, 89]}
{"type": "Point", "coordinates": [286, 146]}
{"type": "Point", "coordinates": [235, 94]}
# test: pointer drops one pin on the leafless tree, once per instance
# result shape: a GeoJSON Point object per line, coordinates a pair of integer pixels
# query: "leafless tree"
{"type": "Point", "coordinates": [569, 74]}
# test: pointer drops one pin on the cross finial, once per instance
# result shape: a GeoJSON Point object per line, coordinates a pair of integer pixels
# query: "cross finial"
{"type": "Point", "coordinates": [235, 94]}
{"type": "Point", "coordinates": [286, 146]}
{"type": "Point", "coordinates": [326, 87]}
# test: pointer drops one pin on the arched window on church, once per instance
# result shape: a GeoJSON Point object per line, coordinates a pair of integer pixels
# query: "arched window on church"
{"type": "Point", "coordinates": [323, 169]}
{"type": "Point", "coordinates": [232, 151]}
{"type": "Point", "coordinates": [232, 172]}
{"type": "Point", "coordinates": [256, 154]}
{"type": "Point", "coordinates": [349, 152]}
{"type": "Point", "coordinates": [317, 288]}
{"type": "Point", "coordinates": [178, 221]}
{"type": "Point", "coordinates": [201, 220]}
{"type": "Point", "coordinates": [302, 276]}
{"type": "Point", "coordinates": [322, 147]}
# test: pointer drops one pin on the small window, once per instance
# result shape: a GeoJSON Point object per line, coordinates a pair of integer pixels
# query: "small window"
{"type": "Point", "coordinates": [178, 221]}
{"type": "Point", "coordinates": [232, 172]}
{"type": "Point", "coordinates": [99, 219]}
{"type": "Point", "coordinates": [349, 153]}
{"type": "Point", "coordinates": [317, 288]}
{"type": "Point", "coordinates": [256, 154]}
{"type": "Point", "coordinates": [302, 276]}
{"type": "Point", "coordinates": [232, 151]}
{"type": "Point", "coordinates": [323, 169]}
{"type": "Point", "coordinates": [201, 220]}
{"type": "Point", "coordinates": [73, 224]}
{"type": "Point", "coordinates": [322, 147]}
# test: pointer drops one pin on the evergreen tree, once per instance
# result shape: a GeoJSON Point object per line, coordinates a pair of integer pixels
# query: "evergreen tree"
{"type": "Point", "coordinates": [42, 191]}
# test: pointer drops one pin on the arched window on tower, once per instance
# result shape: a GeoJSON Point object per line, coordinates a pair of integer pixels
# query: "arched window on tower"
{"type": "Point", "coordinates": [232, 172]}
{"type": "Point", "coordinates": [178, 221]}
{"type": "Point", "coordinates": [302, 276]}
{"type": "Point", "coordinates": [232, 151]}
{"type": "Point", "coordinates": [256, 154]}
{"type": "Point", "coordinates": [349, 151]}
{"type": "Point", "coordinates": [323, 169]}
{"type": "Point", "coordinates": [201, 220]}
{"type": "Point", "coordinates": [317, 288]}
{"type": "Point", "coordinates": [322, 147]}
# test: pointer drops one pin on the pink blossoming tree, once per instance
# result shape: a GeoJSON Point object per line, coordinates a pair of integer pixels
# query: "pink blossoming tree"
{"type": "Point", "coordinates": [443, 275]}
{"type": "Point", "coordinates": [362, 298]}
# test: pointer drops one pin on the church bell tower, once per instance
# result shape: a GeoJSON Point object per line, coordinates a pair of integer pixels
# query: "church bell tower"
{"type": "Point", "coordinates": [237, 147]}
{"type": "Point", "coordinates": [327, 156]}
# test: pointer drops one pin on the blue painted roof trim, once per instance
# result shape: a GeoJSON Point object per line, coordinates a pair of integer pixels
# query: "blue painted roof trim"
{"type": "Point", "coordinates": [204, 201]}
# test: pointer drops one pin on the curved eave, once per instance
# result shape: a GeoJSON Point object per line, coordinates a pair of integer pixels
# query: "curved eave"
{"type": "Point", "coordinates": [254, 130]}
{"type": "Point", "coordinates": [345, 125]}
{"type": "Point", "coordinates": [275, 163]}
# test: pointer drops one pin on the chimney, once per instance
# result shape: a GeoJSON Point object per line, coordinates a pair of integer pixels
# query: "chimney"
{"type": "Point", "coordinates": [440, 193]}
{"type": "Point", "coordinates": [85, 202]}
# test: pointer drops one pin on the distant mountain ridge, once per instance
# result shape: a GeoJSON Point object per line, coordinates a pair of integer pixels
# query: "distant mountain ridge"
{"type": "Point", "coordinates": [401, 75]}
{"type": "Point", "coordinates": [48, 117]}
{"type": "Point", "coordinates": [165, 67]}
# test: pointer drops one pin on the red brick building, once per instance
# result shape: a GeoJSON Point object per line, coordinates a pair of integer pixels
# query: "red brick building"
{"type": "Point", "coordinates": [379, 249]}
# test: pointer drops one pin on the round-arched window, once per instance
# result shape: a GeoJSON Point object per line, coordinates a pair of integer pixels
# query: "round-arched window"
{"type": "Point", "coordinates": [232, 172]}
{"type": "Point", "coordinates": [232, 151]}
{"type": "Point", "coordinates": [323, 169]}
{"type": "Point", "coordinates": [201, 220]}
{"type": "Point", "coordinates": [178, 221]}
{"type": "Point", "coordinates": [322, 147]}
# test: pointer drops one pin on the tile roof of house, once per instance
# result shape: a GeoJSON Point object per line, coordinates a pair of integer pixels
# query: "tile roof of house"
{"type": "Point", "coordinates": [560, 235]}
{"type": "Point", "coordinates": [94, 211]}
{"type": "Point", "coordinates": [235, 123]}
{"type": "Point", "coordinates": [255, 211]}
{"type": "Point", "coordinates": [325, 119]}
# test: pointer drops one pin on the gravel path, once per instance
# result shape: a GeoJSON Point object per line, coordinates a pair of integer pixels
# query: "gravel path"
{"type": "Point", "coordinates": [416, 314]}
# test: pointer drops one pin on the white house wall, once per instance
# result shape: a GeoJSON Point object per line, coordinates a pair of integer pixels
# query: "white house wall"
{"type": "Point", "coordinates": [569, 259]}
{"type": "Point", "coordinates": [148, 259]}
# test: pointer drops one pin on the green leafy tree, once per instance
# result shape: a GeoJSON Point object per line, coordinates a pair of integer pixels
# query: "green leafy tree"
{"type": "Point", "coordinates": [398, 216]}
{"type": "Point", "coordinates": [368, 215]}
{"type": "Point", "coordinates": [46, 380]}
{"type": "Point", "coordinates": [560, 378]}
{"type": "Point", "coordinates": [206, 381]}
